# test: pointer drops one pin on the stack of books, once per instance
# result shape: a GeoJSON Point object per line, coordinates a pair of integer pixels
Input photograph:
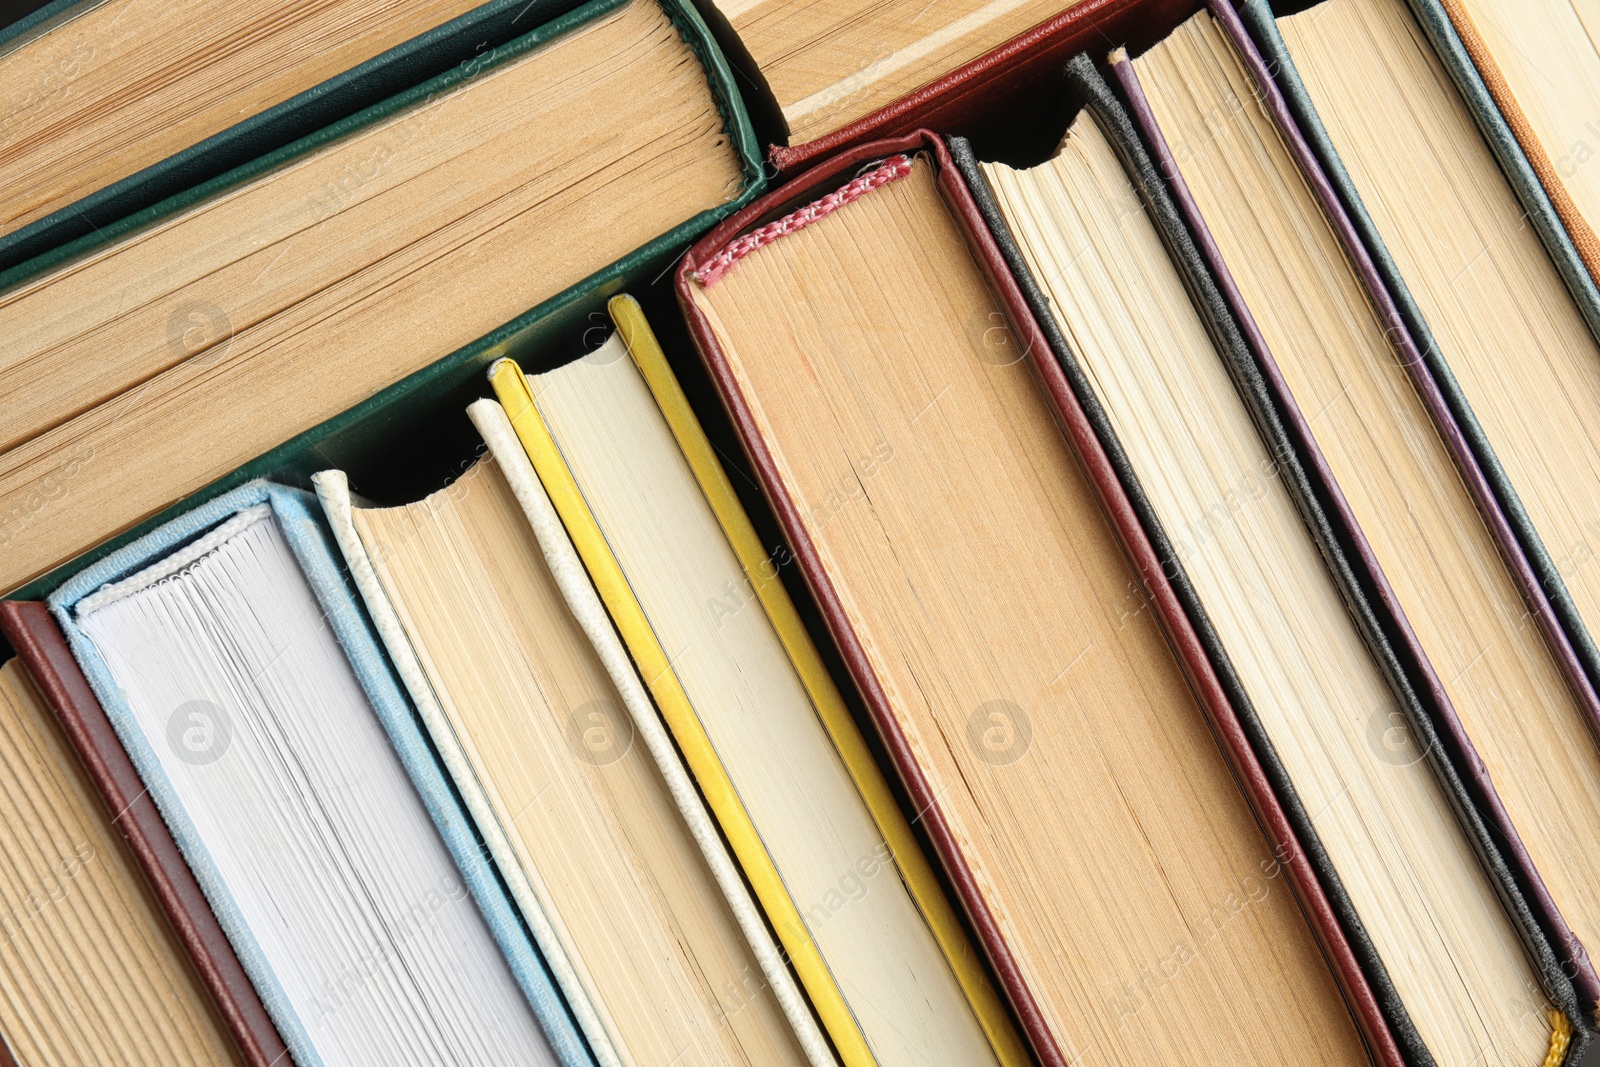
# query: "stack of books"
{"type": "Point", "coordinates": [729, 533]}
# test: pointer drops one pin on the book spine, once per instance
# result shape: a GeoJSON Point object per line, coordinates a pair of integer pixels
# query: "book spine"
{"type": "Point", "coordinates": [42, 648]}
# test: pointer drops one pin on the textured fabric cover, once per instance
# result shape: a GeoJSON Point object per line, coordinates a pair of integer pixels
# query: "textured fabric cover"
{"type": "Point", "coordinates": [298, 517]}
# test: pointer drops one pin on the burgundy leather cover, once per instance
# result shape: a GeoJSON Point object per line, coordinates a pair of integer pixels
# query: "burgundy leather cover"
{"type": "Point", "coordinates": [1459, 747]}
{"type": "Point", "coordinates": [1004, 76]}
{"type": "Point", "coordinates": [40, 645]}
{"type": "Point", "coordinates": [1185, 642]}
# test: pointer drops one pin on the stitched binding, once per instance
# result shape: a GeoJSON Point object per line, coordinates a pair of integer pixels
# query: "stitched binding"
{"type": "Point", "coordinates": [892, 169]}
{"type": "Point", "coordinates": [1560, 1038]}
{"type": "Point", "coordinates": [175, 563]}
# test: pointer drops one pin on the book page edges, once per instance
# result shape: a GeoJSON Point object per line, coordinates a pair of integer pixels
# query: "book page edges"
{"type": "Point", "coordinates": [704, 763]}
{"type": "Point", "coordinates": [333, 492]}
{"type": "Point", "coordinates": [514, 433]}
{"type": "Point", "coordinates": [761, 572]}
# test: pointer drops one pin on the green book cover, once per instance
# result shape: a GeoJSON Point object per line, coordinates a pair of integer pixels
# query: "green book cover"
{"type": "Point", "coordinates": [451, 382]}
{"type": "Point", "coordinates": [461, 40]}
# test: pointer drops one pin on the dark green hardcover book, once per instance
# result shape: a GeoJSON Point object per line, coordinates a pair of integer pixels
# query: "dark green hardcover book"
{"type": "Point", "coordinates": [47, 491]}
{"type": "Point", "coordinates": [463, 39]}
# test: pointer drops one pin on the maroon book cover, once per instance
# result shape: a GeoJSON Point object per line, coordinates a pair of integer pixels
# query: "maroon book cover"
{"type": "Point", "coordinates": [1005, 76]}
{"type": "Point", "coordinates": [42, 648]}
{"type": "Point", "coordinates": [1184, 640]}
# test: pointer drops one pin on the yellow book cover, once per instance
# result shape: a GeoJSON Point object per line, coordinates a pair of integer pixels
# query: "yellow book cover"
{"type": "Point", "coordinates": [552, 414]}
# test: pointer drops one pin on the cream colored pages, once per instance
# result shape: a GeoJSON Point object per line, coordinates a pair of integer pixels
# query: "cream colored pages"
{"type": "Point", "coordinates": [290, 299]}
{"type": "Point", "coordinates": [1531, 371]}
{"type": "Point", "coordinates": [127, 84]}
{"type": "Point", "coordinates": [1408, 867]}
{"type": "Point", "coordinates": [833, 862]}
{"type": "Point", "coordinates": [597, 835]}
{"type": "Point", "coordinates": [1546, 51]}
{"type": "Point", "coordinates": [1033, 683]}
{"type": "Point", "coordinates": [832, 62]}
{"type": "Point", "coordinates": [93, 973]}
{"type": "Point", "coordinates": [333, 493]}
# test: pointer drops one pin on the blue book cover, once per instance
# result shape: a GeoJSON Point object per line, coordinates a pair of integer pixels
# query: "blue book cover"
{"type": "Point", "coordinates": [298, 519]}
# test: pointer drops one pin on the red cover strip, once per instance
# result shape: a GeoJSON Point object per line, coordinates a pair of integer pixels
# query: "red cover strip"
{"type": "Point", "coordinates": [41, 646]}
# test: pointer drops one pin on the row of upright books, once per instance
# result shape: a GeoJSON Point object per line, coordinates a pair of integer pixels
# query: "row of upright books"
{"type": "Point", "coordinates": [635, 534]}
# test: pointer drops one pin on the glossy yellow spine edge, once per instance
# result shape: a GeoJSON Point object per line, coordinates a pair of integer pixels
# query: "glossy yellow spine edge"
{"type": "Point", "coordinates": [511, 387]}
{"type": "Point", "coordinates": [825, 697]}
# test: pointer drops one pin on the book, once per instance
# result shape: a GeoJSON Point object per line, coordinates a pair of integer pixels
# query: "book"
{"type": "Point", "coordinates": [246, 685]}
{"type": "Point", "coordinates": [1434, 551]}
{"type": "Point", "coordinates": [1127, 842]}
{"type": "Point", "coordinates": [574, 785]}
{"type": "Point", "coordinates": [40, 644]}
{"type": "Point", "coordinates": [1180, 396]}
{"type": "Point", "coordinates": [94, 974]}
{"type": "Point", "coordinates": [197, 68]}
{"type": "Point", "coordinates": [1446, 301]}
{"type": "Point", "coordinates": [1007, 625]}
{"type": "Point", "coordinates": [970, 100]}
{"type": "Point", "coordinates": [1445, 292]}
{"type": "Point", "coordinates": [97, 94]}
{"type": "Point", "coordinates": [828, 64]}
{"type": "Point", "coordinates": [1539, 63]}
{"type": "Point", "coordinates": [793, 785]}
{"type": "Point", "coordinates": [365, 239]}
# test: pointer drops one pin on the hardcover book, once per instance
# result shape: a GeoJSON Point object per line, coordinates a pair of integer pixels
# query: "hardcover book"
{"type": "Point", "coordinates": [829, 64]}
{"type": "Point", "coordinates": [94, 971]}
{"type": "Point", "coordinates": [1217, 473]}
{"type": "Point", "coordinates": [394, 244]}
{"type": "Point", "coordinates": [1539, 73]}
{"type": "Point", "coordinates": [113, 106]}
{"type": "Point", "coordinates": [529, 697]}
{"type": "Point", "coordinates": [1437, 562]}
{"type": "Point", "coordinates": [793, 786]}
{"type": "Point", "coordinates": [42, 648]}
{"type": "Point", "coordinates": [964, 99]}
{"type": "Point", "coordinates": [1517, 438]}
{"type": "Point", "coordinates": [244, 681]}
{"type": "Point", "coordinates": [1013, 658]}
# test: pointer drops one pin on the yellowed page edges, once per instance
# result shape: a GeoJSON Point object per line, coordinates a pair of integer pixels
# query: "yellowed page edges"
{"type": "Point", "coordinates": [512, 388]}
{"type": "Point", "coordinates": [503, 431]}
{"type": "Point", "coordinates": [762, 574]}
{"type": "Point", "coordinates": [333, 492]}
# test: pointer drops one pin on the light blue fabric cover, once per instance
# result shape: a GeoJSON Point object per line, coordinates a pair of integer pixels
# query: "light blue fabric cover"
{"type": "Point", "coordinates": [300, 518]}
